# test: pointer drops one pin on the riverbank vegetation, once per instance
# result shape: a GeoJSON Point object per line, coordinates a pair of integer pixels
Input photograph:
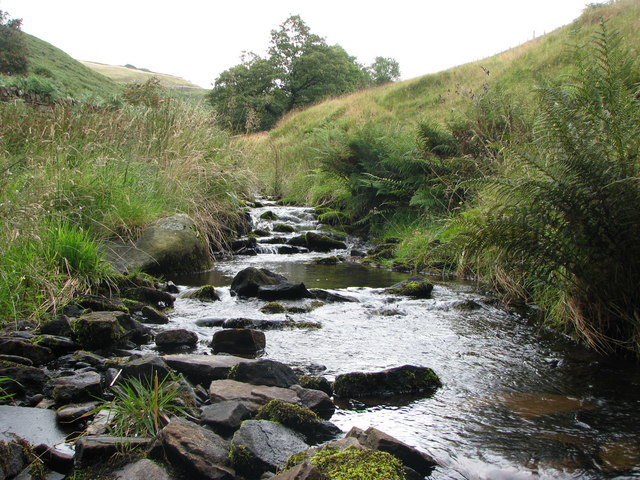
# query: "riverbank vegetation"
{"type": "Point", "coordinates": [519, 170]}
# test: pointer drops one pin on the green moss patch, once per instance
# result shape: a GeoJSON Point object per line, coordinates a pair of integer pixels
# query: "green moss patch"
{"type": "Point", "coordinates": [355, 464]}
{"type": "Point", "coordinates": [293, 416]}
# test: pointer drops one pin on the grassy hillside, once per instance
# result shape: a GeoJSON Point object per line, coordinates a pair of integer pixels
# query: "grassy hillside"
{"type": "Point", "coordinates": [71, 77]}
{"type": "Point", "coordinates": [125, 74]}
{"type": "Point", "coordinates": [290, 150]}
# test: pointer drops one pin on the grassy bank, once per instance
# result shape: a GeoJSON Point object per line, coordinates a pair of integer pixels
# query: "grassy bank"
{"type": "Point", "coordinates": [74, 176]}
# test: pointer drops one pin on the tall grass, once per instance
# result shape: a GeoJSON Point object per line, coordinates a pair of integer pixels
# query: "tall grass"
{"type": "Point", "coordinates": [80, 174]}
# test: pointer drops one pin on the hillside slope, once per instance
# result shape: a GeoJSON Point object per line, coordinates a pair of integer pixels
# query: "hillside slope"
{"type": "Point", "coordinates": [288, 151]}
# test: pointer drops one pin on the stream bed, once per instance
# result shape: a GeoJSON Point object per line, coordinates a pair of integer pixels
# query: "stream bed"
{"type": "Point", "coordinates": [517, 401]}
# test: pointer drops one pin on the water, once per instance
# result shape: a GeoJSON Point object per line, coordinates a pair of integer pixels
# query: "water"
{"type": "Point", "coordinates": [517, 401]}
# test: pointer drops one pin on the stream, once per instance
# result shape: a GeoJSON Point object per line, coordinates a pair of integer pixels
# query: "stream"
{"type": "Point", "coordinates": [517, 401]}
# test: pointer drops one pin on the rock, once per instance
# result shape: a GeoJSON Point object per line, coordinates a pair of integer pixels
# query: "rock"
{"type": "Point", "coordinates": [210, 322]}
{"type": "Point", "coordinates": [225, 417]}
{"type": "Point", "coordinates": [255, 323]}
{"type": "Point", "coordinates": [416, 287]}
{"type": "Point", "coordinates": [357, 253]}
{"type": "Point", "coordinates": [204, 369]}
{"type": "Point", "coordinates": [268, 215]}
{"type": "Point", "coordinates": [247, 281]}
{"type": "Point", "coordinates": [283, 291]}
{"type": "Point", "coordinates": [176, 338]}
{"type": "Point", "coordinates": [70, 414]}
{"type": "Point", "coordinates": [12, 459]}
{"type": "Point", "coordinates": [99, 303]}
{"type": "Point", "coordinates": [96, 448]}
{"type": "Point", "coordinates": [290, 250]}
{"type": "Point", "coordinates": [35, 425]}
{"type": "Point", "coordinates": [317, 242]}
{"type": "Point", "coordinates": [283, 228]}
{"type": "Point", "coordinates": [242, 244]}
{"type": "Point", "coordinates": [315, 400]}
{"type": "Point", "coordinates": [261, 446]}
{"type": "Point", "coordinates": [302, 471]}
{"type": "Point", "coordinates": [57, 326]}
{"type": "Point", "coordinates": [76, 388]}
{"type": "Point", "coordinates": [196, 449]}
{"type": "Point", "coordinates": [264, 372]}
{"type": "Point", "coordinates": [151, 315]}
{"type": "Point", "coordinates": [411, 457]}
{"type": "Point", "coordinates": [58, 345]}
{"type": "Point", "coordinates": [330, 297]}
{"type": "Point", "coordinates": [99, 330]}
{"type": "Point", "coordinates": [467, 305]}
{"type": "Point", "coordinates": [144, 368]}
{"type": "Point", "coordinates": [273, 308]}
{"type": "Point", "coordinates": [169, 245]}
{"type": "Point", "coordinates": [22, 348]}
{"type": "Point", "coordinates": [151, 296]}
{"type": "Point", "coordinates": [238, 341]}
{"type": "Point", "coordinates": [168, 287]}
{"type": "Point", "coordinates": [333, 260]}
{"type": "Point", "coordinates": [135, 331]}
{"type": "Point", "coordinates": [12, 360]}
{"type": "Point", "coordinates": [315, 383]}
{"type": "Point", "coordinates": [23, 380]}
{"type": "Point", "coordinates": [205, 294]}
{"type": "Point", "coordinates": [143, 469]}
{"type": "Point", "coordinates": [261, 232]}
{"type": "Point", "coordinates": [398, 380]}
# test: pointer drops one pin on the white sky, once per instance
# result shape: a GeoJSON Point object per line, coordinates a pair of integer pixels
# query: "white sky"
{"type": "Point", "coordinates": [198, 39]}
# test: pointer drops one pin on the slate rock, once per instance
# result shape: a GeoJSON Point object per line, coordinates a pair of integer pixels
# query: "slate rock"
{"type": "Point", "coordinates": [393, 381]}
{"type": "Point", "coordinates": [203, 369]}
{"type": "Point", "coordinates": [73, 413]}
{"type": "Point", "coordinates": [95, 448]}
{"type": "Point", "coordinates": [247, 281]}
{"type": "Point", "coordinates": [144, 368]}
{"type": "Point", "coordinates": [238, 341]}
{"type": "Point", "coordinates": [151, 315]}
{"type": "Point", "coordinates": [317, 242]}
{"type": "Point", "coordinates": [12, 459]}
{"type": "Point", "coordinates": [225, 417]}
{"type": "Point", "coordinates": [176, 338]}
{"type": "Point", "coordinates": [23, 380]}
{"type": "Point", "coordinates": [302, 471]}
{"type": "Point", "coordinates": [34, 425]}
{"type": "Point", "coordinates": [253, 396]}
{"type": "Point", "coordinates": [283, 291]}
{"type": "Point", "coordinates": [76, 388]}
{"type": "Point", "coordinates": [57, 326]}
{"type": "Point", "coordinates": [98, 330]}
{"type": "Point", "coordinates": [22, 348]}
{"type": "Point", "coordinates": [265, 372]}
{"type": "Point", "coordinates": [59, 345]}
{"type": "Point", "coordinates": [315, 400]}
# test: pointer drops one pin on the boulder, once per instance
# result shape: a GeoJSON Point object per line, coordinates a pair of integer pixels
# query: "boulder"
{"type": "Point", "coordinates": [225, 417]}
{"type": "Point", "coordinates": [196, 449]}
{"type": "Point", "coordinates": [204, 369]}
{"type": "Point", "coordinates": [99, 303]}
{"type": "Point", "coordinates": [264, 372]}
{"type": "Point", "coordinates": [76, 388]}
{"type": "Point", "coordinates": [207, 293]}
{"type": "Point", "coordinates": [135, 331]}
{"type": "Point", "coordinates": [411, 457]}
{"type": "Point", "coordinates": [262, 446]}
{"type": "Point", "coordinates": [268, 215]}
{"type": "Point", "coordinates": [283, 228]}
{"type": "Point", "coordinates": [394, 381]}
{"type": "Point", "coordinates": [151, 315]}
{"type": "Point", "coordinates": [416, 287]}
{"type": "Point", "coordinates": [210, 322]}
{"type": "Point", "coordinates": [39, 355]}
{"type": "Point", "coordinates": [176, 338]}
{"type": "Point", "coordinates": [290, 250]}
{"type": "Point", "coordinates": [283, 291]}
{"type": "Point", "coordinates": [238, 341]}
{"type": "Point", "coordinates": [143, 469]}
{"type": "Point", "coordinates": [315, 400]}
{"type": "Point", "coordinates": [99, 330]}
{"type": "Point", "coordinates": [34, 425]}
{"type": "Point", "coordinates": [247, 281]}
{"type": "Point", "coordinates": [317, 242]}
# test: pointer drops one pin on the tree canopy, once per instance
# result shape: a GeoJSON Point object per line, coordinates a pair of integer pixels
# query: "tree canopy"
{"type": "Point", "coordinates": [13, 57]}
{"type": "Point", "coordinates": [300, 69]}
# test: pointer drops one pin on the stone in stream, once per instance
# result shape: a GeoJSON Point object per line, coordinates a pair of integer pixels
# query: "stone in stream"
{"type": "Point", "coordinates": [204, 369]}
{"type": "Point", "coordinates": [34, 425]}
{"type": "Point", "coordinates": [394, 381]}
{"type": "Point", "coordinates": [206, 293]}
{"type": "Point", "coordinates": [317, 242]}
{"type": "Point", "coordinates": [99, 330]}
{"type": "Point", "coordinates": [264, 372]}
{"type": "Point", "coordinates": [176, 338]}
{"type": "Point", "coordinates": [330, 297]}
{"type": "Point", "coordinates": [247, 281]}
{"type": "Point", "coordinates": [143, 469]}
{"type": "Point", "coordinates": [238, 341]}
{"type": "Point", "coordinates": [416, 287]}
{"type": "Point", "coordinates": [284, 291]}
{"type": "Point", "coordinates": [151, 315]}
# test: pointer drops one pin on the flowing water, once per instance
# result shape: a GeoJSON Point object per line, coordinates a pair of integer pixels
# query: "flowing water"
{"type": "Point", "coordinates": [517, 401]}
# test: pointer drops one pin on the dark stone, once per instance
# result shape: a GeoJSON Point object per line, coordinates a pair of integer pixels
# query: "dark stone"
{"type": "Point", "coordinates": [261, 232]}
{"type": "Point", "coordinates": [273, 240]}
{"type": "Point", "coordinates": [145, 368]}
{"type": "Point", "coordinates": [204, 369]}
{"type": "Point", "coordinates": [237, 245]}
{"type": "Point", "coordinates": [268, 215]}
{"type": "Point", "coordinates": [143, 469]}
{"type": "Point", "coordinates": [358, 253]}
{"type": "Point", "coordinates": [99, 303]}
{"type": "Point", "coordinates": [317, 242]}
{"type": "Point", "coordinates": [225, 417]}
{"type": "Point", "coordinates": [333, 260]}
{"type": "Point", "coordinates": [99, 330]}
{"type": "Point", "coordinates": [37, 354]}
{"type": "Point", "coordinates": [261, 446]}
{"type": "Point", "coordinates": [315, 400]}
{"type": "Point", "coordinates": [247, 282]}
{"type": "Point", "coordinates": [58, 345]}
{"type": "Point", "coordinates": [265, 372]}
{"type": "Point", "coordinates": [289, 250]}
{"type": "Point", "coordinates": [70, 414]}
{"type": "Point", "coordinates": [151, 315]}
{"type": "Point", "coordinates": [57, 326]}
{"type": "Point", "coordinates": [332, 297]}
{"type": "Point", "coordinates": [316, 383]}
{"type": "Point", "coordinates": [81, 358]}
{"type": "Point", "coordinates": [34, 425]}
{"type": "Point", "coordinates": [206, 293]}
{"type": "Point", "coordinates": [96, 448]}
{"type": "Point", "coordinates": [416, 287]}
{"type": "Point", "coordinates": [210, 322]}
{"type": "Point", "coordinates": [253, 396]}
{"type": "Point", "coordinates": [411, 457]}
{"type": "Point", "coordinates": [14, 359]}
{"type": "Point", "coordinates": [250, 252]}
{"type": "Point", "coordinates": [176, 338]}
{"type": "Point", "coordinates": [135, 331]}
{"type": "Point", "coordinates": [283, 291]}
{"type": "Point", "coordinates": [76, 388]}
{"type": "Point", "coordinates": [283, 228]}
{"type": "Point", "coordinates": [238, 341]}
{"type": "Point", "coordinates": [151, 296]}
{"type": "Point", "coordinates": [169, 287]}
{"type": "Point", "coordinates": [12, 459]}
{"type": "Point", "coordinates": [196, 449]}
{"type": "Point", "coordinates": [394, 381]}
{"type": "Point", "coordinates": [302, 471]}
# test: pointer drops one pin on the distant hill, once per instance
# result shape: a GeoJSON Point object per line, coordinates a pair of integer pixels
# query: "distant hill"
{"type": "Point", "coordinates": [128, 73]}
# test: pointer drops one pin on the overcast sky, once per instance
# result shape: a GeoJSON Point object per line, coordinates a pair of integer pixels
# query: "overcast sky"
{"type": "Point", "coordinates": [198, 39]}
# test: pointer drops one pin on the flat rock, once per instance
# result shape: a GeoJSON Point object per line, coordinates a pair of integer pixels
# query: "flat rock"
{"type": "Point", "coordinates": [37, 354]}
{"type": "Point", "coordinates": [99, 330]}
{"type": "Point", "coordinates": [265, 372]}
{"type": "Point", "coordinates": [283, 291]}
{"type": "Point", "coordinates": [247, 281]}
{"type": "Point", "coordinates": [225, 417]}
{"type": "Point", "coordinates": [151, 315]}
{"type": "Point", "coordinates": [203, 369]}
{"type": "Point", "coordinates": [77, 388]}
{"type": "Point", "coordinates": [35, 425]}
{"type": "Point", "coordinates": [72, 413]}
{"type": "Point", "coordinates": [23, 379]}
{"type": "Point", "coordinates": [253, 396]}
{"type": "Point", "coordinates": [145, 367]}
{"type": "Point", "coordinates": [176, 338]}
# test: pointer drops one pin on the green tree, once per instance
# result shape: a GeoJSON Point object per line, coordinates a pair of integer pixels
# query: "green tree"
{"type": "Point", "coordinates": [13, 49]}
{"type": "Point", "coordinates": [384, 70]}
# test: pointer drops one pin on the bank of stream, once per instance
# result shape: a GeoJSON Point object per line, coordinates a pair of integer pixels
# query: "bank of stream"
{"type": "Point", "coordinates": [517, 401]}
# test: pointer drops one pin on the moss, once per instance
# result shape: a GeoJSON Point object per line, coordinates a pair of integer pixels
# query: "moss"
{"type": "Point", "coordinates": [414, 288]}
{"type": "Point", "coordinates": [302, 325]}
{"type": "Point", "coordinates": [356, 464]}
{"type": "Point", "coordinates": [327, 261]}
{"type": "Point", "coordinates": [207, 293]}
{"type": "Point", "coordinates": [295, 459]}
{"type": "Point", "coordinates": [241, 459]}
{"type": "Point", "coordinates": [283, 228]}
{"type": "Point", "coordinates": [260, 232]}
{"type": "Point", "coordinates": [273, 308]}
{"type": "Point", "coordinates": [293, 416]}
{"type": "Point", "coordinates": [269, 215]}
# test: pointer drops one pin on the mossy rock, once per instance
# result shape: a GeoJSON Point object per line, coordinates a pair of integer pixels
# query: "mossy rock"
{"type": "Point", "coordinates": [261, 232]}
{"type": "Point", "coordinates": [98, 329]}
{"type": "Point", "coordinates": [356, 464]}
{"type": "Point", "coordinates": [273, 308]}
{"type": "Point", "coordinates": [269, 215]}
{"type": "Point", "coordinates": [206, 293]}
{"type": "Point", "coordinates": [416, 287]}
{"type": "Point", "coordinates": [394, 381]}
{"type": "Point", "coordinates": [315, 383]}
{"type": "Point", "coordinates": [283, 228]}
{"type": "Point", "coordinates": [293, 416]}
{"type": "Point", "coordinates": [333, 217]}
{"type": "Point", "coordinates": [333, 260]}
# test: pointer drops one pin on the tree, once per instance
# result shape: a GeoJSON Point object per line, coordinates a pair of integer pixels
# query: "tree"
{"type": "Point", "coordinates": [384, 70]}
{"type": "Point", "coordinates": [13, 49]}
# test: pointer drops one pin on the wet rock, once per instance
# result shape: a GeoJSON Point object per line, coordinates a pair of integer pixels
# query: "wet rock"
{"type": "Point", "coordinates": [264, 372]}
{"type": "Point", "coordinates": [273, 308]}
{"type": "Point", "coordinates": [144, 368]}
{"type": "Point", "coordinates": [255, 323]}
{"type": "Point", "coordinates": [416, 287]}
{"type": "Point", "coordinates": [70, 414]}
{"type": "Point", "coordinates": [39, 355]}
{"type": "Point", "coordinates": [261, 232]}
{"type": "Point", "coordinates": [99, 330]}
{"type": "Point", "coordinates": [143, 469]}
{"type": "Point", "coordinates": [23, 380]}
{"type": "Point", "coordinates": [203, 369]}
{"type": "Point", "coordinates": [59, 345]}
{"type": "Point", "coordinates": [210, 322]}
{"type": "Point", "coordinates": [467, 305]}
{"type": "Point", "coordinates": [283, 228]}
{"type": "Point", "coordinates": [411, 457]}
{"type": "Point", "coordinates": [151, 296]}
{"type": "Point", "coordinates": [12, 459]}
{"type": "Point", "coordinates": [316, 383]}
{"type": "Point", "coordinates": [290, 250]}
{"type": "Point", "coordinates": [196, 449]}
{"type": "Point", "coordinates": [243, 243]}
{"type": "Point", "coordinates": [176, 338]}
{"type": "Point", "coordinates": [135, 331]}
{"type": "Point", "coordinates": [225, 417]}
{"type": "Point", "coordinates": [96, 448]}
{"type": "Point", "coordinates": [357, 253]}
{"type": "Point", "coordinates": [268, 215]}
{"type": "Point", "coordinates": [317, 242]}
{"type": "Point", "coordinates": [169, 287]}
{"type": "Point", "coordinates": [35, 425]}
{"type": "Point", "coordinates": [5, 360]}
{"type": "Point", "coordinates": [206, 293]}
{"type": "Point", "coordinates": [333, 260]}
{"type": "Point", "coordinates": [330, 297]}
{"type": "Point", "coordinates": [253, 396]}
{"type": "Point", "coordinates": [315, 400]}
{"type": "Point", "coordinates": [283, 291]}
{"type": "Point", "coordinates": [261, 446]}
{"type": "Point", "coordinates": [99, 303]}
{"type": "Point", "coordinates": [399, 380]}
{"type": "Point", "coordinates": [247, 282]}
{"type": "Point", "coordinates": [151, 315]}
{"type": "Point", "coordinates": [273, 240]}
{"type": "Point", "coordinates": [57, 326]}
{"type": "Point", "coordinates": [76, 388]}
{"type": "Point", "coordinates": [238, 341]}
{"type": "Point", "coordinates": [80, 359]}
{"type": "Point", "coordinates": [302, 471]}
